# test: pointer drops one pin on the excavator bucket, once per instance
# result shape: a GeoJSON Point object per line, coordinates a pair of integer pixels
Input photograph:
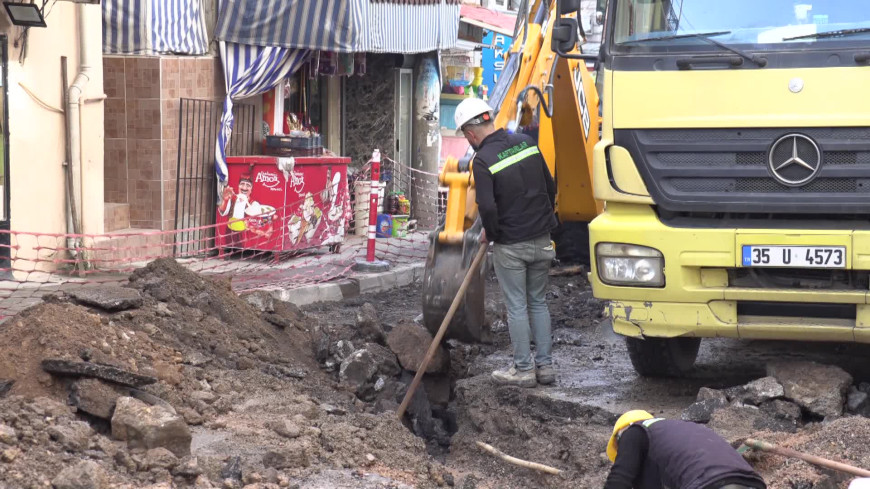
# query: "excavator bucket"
{"type": "Point", "coordinates": [446, 267]}
{"type": "Point", "coordinates": [451, 250]}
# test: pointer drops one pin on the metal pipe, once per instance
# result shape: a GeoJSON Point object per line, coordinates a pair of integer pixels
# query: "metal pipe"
{"type": "Point", "coordinates": [67, 168]}
{"type": "Point", "coordinates": [75, 96]}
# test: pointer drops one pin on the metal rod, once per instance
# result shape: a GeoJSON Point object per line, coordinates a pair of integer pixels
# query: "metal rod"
{"type": "Point", "coordinates": [211, 177]}
{"type": "Point", "coordinates": [178, 217]}
{"type": "Point", "coordinates": [70, 182]}
{"type": "Point", "coordinates": [190, 138]}
{"type": "Point", "coordinates": [433, 347]}
{"type": "Point", "coordinates": [195, 171]}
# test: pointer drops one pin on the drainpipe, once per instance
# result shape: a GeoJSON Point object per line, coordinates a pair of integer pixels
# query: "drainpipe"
{"type": "Point", "coordinates": [75, 96]}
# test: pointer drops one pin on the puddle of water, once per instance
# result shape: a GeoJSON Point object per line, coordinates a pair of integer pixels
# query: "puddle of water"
{"type": "Point", "coordinates": [344, 479]}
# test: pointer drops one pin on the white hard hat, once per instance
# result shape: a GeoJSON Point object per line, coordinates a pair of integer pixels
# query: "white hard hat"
{"type": "Point", "coordinates": [469, 109]}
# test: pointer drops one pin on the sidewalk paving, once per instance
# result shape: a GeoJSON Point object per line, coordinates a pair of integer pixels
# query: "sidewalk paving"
{"type": "Point", "coordinates": [313, 276]}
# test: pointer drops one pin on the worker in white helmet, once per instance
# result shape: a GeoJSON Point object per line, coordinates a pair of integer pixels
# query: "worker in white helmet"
{"type": "Point", "coordinates": [516, 199]}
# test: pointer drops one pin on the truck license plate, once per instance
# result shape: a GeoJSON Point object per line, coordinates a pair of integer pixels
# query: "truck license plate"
{"type": "Point", "coordinates": [794, 256]}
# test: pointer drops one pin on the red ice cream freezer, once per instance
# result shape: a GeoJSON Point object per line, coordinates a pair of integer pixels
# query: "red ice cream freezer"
{"type": "Point", "coordinates": [274, 203]}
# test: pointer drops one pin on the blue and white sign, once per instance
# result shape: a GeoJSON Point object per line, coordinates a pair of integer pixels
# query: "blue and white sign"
{"type": "Point", "coordinates": [493, 59]}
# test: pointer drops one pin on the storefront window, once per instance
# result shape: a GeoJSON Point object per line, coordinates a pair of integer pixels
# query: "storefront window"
{"type": "Point", "coordinates": [306, 100]}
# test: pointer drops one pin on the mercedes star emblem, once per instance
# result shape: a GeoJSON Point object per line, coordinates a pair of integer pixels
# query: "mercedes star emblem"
{"type": "Point", "coordinates": [795, 85]}
{"type": "Point", "coordinates": [794, 160]}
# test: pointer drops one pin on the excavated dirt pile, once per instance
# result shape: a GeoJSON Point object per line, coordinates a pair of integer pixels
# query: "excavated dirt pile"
{"type": "Point", "coordinates": [175, 381]}
{"type": "Point", "coordinates": [805, 406]}
{"type": "Point", "coordinates": [842, 440]}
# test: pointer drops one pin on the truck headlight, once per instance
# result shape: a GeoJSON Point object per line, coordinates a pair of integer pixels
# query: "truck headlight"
{"type": "Point", "coordinates": [625, 264]}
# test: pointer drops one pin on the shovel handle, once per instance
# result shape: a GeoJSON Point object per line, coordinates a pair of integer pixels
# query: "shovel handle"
{"type": "Point", "coordinates": [433, 347]}
{"type": "Point", "coordinates": [821, 462]}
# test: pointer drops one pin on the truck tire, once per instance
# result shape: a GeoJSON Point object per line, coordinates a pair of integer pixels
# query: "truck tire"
{"type": "Point", "coordinates": [663, 357]}
{"type": "Point", "coordinates": [572, 242]}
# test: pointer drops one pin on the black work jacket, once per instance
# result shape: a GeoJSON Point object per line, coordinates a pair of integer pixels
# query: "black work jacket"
{"type": "Point", "coordinates": [516, 194]}
{"type": "Point", "coordinates": [671, 454]}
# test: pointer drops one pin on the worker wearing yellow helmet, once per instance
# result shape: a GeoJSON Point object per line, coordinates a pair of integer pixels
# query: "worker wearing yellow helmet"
{"type": "Point", "coordinates": [655, 453]}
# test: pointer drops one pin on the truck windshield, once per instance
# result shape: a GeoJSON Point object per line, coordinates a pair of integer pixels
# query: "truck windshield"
{"type": "Point", "coordinates": [759, 24]}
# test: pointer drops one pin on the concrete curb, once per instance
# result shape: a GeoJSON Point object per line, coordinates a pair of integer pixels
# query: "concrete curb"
{"type": "Point", "coordinates": [354, 286]}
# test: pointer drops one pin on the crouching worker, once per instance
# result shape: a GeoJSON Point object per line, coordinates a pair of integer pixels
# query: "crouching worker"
{"type": "Point", "coordinates": [655, 453]}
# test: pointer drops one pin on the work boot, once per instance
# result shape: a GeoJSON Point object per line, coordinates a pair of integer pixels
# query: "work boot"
{"type": "Point", "coordinates": [512, 376]}
{"type": "Point", "coordinates": [546, 374]}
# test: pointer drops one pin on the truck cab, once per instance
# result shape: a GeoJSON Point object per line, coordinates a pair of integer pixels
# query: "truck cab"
{"type": "Point", "coordinates": [734, 164]}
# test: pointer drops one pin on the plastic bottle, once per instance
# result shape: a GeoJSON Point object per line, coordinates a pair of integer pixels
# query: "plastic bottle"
{"type": "Point", "coordinates": [393, 203]}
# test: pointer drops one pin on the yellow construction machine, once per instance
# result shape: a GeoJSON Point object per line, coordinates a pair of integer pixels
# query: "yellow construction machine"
{"type": "Point", "coordinates": [539, 88]}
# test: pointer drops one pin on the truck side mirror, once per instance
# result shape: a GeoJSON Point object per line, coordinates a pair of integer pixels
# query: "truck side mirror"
{"type": "Point", "coordinates": [568, 6]}
{"type": "Point", "coordinates": [565, 35]}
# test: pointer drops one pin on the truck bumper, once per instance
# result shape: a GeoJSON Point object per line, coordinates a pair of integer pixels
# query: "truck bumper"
{"type": "Point", "coordinates": [699, 298]}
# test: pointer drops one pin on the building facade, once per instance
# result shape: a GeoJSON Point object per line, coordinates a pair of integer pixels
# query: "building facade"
{"type": "Point", "coordinates": [43, 137]}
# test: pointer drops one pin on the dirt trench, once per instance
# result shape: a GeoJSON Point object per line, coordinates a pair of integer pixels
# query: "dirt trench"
{"type": "Point", "coordinates": [567, 425]}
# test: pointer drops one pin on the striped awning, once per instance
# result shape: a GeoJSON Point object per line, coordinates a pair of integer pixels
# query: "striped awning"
{"type": "Point", "coordinates": [342, 26]}
{"type": "Point", "coordinates": [152, 27]}
{"type": "Point", "coordinates": [408, 29]}
{"type": "Point", "coordinates": [249, 71]}
{"type": "Point", "coordinates": [419, 2]}
{"type": "Point", "coordinates": [323, 25]}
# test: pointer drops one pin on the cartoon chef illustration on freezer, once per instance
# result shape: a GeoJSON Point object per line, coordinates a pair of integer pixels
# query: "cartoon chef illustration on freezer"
{"type": "Point", "coordinates": [306, 224]}
{"type": "Point", "coordinates": [337, 214]}
{"type": "Point", "coordinates": [242, 209]}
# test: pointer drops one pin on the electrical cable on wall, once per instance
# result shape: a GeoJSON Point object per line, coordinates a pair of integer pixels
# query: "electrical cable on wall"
{"type": "Point", "coordinates": [21, 40]}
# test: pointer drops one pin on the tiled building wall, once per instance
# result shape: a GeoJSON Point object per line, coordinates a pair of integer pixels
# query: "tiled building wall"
{"type": "Point", "coordinates": [142, 127]}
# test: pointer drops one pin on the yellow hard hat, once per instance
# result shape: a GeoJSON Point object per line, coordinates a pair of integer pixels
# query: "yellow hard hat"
{"type": "Point", "coordinates": [623, 422]}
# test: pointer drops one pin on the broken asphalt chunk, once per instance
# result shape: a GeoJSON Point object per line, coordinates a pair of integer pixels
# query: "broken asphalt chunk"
{"type": "Point", "coordinates": [102, 372]}
{"type": "Point", "coordinates": [279, 321]}
{"type": "Point", "coordinates": [282, 372]}
{"type": "Point", "coordinates": [108, 297]}
{"type": "Point", "coordinates": [819, 389]}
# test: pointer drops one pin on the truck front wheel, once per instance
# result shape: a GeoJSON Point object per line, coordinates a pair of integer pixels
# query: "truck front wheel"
{"type": "Point", "coordinates": [663, 357]}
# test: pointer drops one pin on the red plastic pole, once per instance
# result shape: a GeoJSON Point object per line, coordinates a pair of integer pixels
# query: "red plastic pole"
{"type": "Point", "coordinates": [373, 204]}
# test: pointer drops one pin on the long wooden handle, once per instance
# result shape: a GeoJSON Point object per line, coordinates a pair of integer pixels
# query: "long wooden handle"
{"type": "Point", "coordinates": [518, 461]}
{"type": "Point", "coordinates": [822, 462]}
{"type": "Point", "coordinates": [433, 347]}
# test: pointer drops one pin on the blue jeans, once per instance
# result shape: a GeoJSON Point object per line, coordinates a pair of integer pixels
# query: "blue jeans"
{"type": "Point", "coordinates": [523, 273]}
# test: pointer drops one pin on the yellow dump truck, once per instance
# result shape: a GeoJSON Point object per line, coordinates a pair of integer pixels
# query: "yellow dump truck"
{"type": "Point", "coordinates": [735, 169]}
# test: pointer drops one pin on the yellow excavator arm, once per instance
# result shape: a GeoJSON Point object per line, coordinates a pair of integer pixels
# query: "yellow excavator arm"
{"type": "Point", "coordinates": [559, 93]}
{"type": "Point", "coordinates": [567, 128]}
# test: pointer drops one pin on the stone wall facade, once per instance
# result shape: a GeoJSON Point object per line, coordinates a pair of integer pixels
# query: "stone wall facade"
{"type": "Point", "coordinates": [370, 110]}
